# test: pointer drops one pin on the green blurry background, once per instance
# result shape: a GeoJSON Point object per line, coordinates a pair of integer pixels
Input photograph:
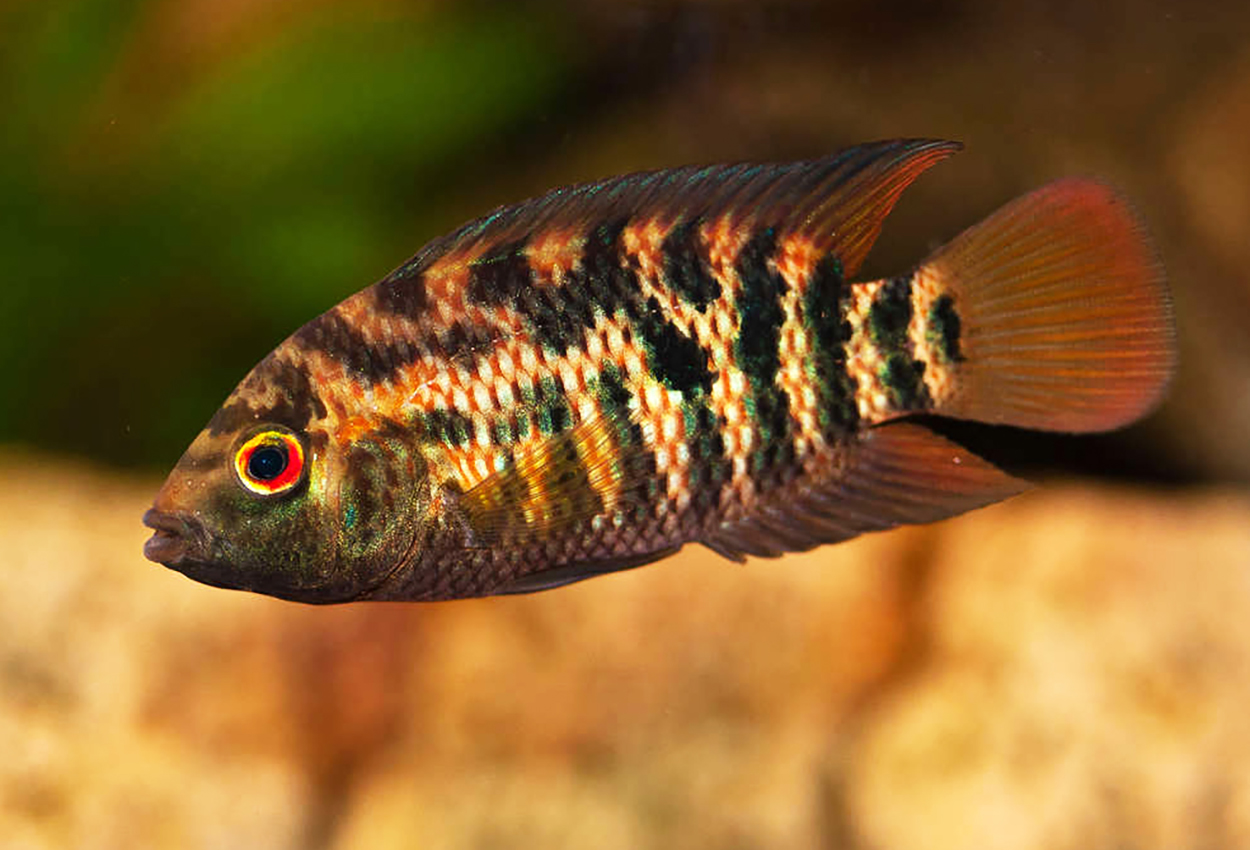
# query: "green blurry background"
{"type": "Point", "coordinates": [185, 182]}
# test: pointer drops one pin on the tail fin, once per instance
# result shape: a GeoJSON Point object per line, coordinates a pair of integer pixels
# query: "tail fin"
{"type": "Point", "coordinates": [1052, 313]}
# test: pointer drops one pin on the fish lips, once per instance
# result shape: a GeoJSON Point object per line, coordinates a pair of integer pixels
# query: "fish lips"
{"type": "Point", "coordinates": [171, 541]}
{"type": "Point", "coordinates": [182, 543]}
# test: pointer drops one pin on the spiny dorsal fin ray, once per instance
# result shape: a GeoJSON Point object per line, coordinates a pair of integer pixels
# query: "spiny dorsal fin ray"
{"type": "Point", "coordinates": [896, 474]}
{"type": "Point", "coordinates": [839, 201]}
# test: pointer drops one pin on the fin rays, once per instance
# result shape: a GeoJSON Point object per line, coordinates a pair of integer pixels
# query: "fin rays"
{"type": "Point", "coordinates": [839, 202]}
{"type": "Point", "coordinates": [1067, 321]}
{"type": "Point", "coordinates": [894, 474]}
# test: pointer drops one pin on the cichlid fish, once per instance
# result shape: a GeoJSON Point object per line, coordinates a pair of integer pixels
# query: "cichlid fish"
{"type": "Point", "coordinates": [586, 381]}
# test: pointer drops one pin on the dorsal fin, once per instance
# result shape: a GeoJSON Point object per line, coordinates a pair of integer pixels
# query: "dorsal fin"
{"type": "Point", "coordinates": [838, 201]}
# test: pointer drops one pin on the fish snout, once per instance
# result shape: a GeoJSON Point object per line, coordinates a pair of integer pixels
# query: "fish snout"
{"type": "Point", "coordinates": [172, 540]}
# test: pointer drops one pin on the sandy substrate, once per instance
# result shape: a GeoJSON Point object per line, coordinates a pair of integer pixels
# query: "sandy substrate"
{"type": "Point", "coordinates": [1071, 669]}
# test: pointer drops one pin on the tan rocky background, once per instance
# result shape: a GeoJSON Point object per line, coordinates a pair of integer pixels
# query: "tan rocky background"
{"type": "Point", "coordinates": [1067, 670]}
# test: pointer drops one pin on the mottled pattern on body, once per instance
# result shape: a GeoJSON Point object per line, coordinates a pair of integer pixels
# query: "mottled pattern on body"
{"type": "Point", "coordinates": [586, 381]}
{"type": "Point", "coordinates": [623, 384]}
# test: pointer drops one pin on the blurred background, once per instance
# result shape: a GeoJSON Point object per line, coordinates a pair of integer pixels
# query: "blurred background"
{"type": "Point", "coordinates": [185, 182]}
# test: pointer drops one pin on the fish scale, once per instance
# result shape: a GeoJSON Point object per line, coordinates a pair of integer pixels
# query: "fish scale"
{"type": "Point", "coordinates": [765, 456]}
{"type": "Point", "coordinates": [643, 275]}
{"type": "Point", "coordinates": [586, 381]}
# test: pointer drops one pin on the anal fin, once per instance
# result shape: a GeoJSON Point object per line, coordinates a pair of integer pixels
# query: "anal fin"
{"type": "Point", "coordinates": [900, 473]}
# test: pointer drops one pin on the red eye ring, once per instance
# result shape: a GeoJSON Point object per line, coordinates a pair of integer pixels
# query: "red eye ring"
{"type": "Point", "coordinates": [269, 463]}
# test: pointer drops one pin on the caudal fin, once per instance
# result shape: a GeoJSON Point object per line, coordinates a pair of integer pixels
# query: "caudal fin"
{"type": "Point", "coordinates": [1052, 314]}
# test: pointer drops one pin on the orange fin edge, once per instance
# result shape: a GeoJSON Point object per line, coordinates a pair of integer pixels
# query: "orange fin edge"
{"type": "Point", "coordinates": [1065, 317]}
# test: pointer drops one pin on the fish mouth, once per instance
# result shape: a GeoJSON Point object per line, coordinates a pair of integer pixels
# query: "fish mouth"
{"type": "Point", "coordinates": [174, 541]}
{"type": "Point", "coordinates": [183, 544]}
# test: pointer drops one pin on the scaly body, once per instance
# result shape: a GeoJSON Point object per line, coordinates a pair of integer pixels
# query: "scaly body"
{"type": "Point", "coordinates": [587, 381]}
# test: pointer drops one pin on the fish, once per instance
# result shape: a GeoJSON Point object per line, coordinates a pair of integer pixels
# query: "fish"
{"type": "Point", "coordinates": [584, 382]}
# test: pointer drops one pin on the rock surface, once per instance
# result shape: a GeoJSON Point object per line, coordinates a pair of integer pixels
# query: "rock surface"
{"type": "Point", "coordinates": [1068, 669]}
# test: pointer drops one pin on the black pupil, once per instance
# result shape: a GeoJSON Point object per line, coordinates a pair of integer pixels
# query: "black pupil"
{"type": "Point", "coordinates": [266, 463]}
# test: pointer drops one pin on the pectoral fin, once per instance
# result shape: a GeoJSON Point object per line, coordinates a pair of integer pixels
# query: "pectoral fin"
{"type": "Point", "coordinates": [560, 576]}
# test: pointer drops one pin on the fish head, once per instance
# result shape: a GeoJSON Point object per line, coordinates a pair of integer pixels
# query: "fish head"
{"type": "Point", "coordinates": [266, 499]}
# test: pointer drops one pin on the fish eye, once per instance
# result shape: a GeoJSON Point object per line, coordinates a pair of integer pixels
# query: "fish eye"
{"type": "Point", "coordinates": [270, 462]}
{"type": "Point", "coordinates": [267, 463]}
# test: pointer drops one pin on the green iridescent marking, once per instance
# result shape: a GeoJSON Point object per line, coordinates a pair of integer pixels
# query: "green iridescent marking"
{"type": "Point", "coordinates": [685, 269]}
{"type": "Point", "coordinates": [888, 321]}
{"type": "Point", "coordinates": [903, 379]}
{"type": "Point", "coordinates": [553, 411]}
{"type": "Point", "coordinates": [890, 314]}
{"type": "Point", "coordinates": [447, 426]}
{"type": "Point", "coordinates": [709, 467]}
{"type": "Point", "coordinates": [613, 396]}
{"type": "Point", "coordinates": [826, 367]}
{"type": "Point", "coordinates": [943, 329]}
{"type": "Point", "coordinates": [525, 390]}
{"type": "Point", "coordinates": [757, 351]}
{"type": "Point", "coordinates": [502, 431]}
{"type": "Point", "coordinates": [614, 401]}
